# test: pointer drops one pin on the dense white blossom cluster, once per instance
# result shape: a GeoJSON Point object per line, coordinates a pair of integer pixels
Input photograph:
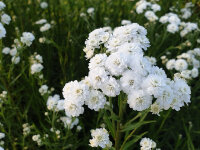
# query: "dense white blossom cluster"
{"type": "Point", "coordinates": [36, 63]}
{"type": "Point", "coordinates": [122, 67]}
{"type": "Point", "coordinates": [149, 8]}
{"type": "Point", "coordinates": [188, 27]}
{"type": "Point", "coordinates": [2, 136]}
{"type": "Point", "coordinates": [187, 64]}
{"type": "Point", "coordinates": [173, 22]}
{"type": "Point", "coordinates": [100, 137]}
{"type": "Point", "coordinates": [147, 144]}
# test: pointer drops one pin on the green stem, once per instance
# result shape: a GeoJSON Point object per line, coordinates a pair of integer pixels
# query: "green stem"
{"type": "Point", "coordinates": [118, 132]}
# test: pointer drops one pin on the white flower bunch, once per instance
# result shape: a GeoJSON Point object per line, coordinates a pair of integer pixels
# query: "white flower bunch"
{"type": "Point", "coordinates": [37, 138]}
{"type": "Point", "coordinates": [43, 90]}
{"type": "Point", "coordinates": [187, 64]}
{"type": "Point", "coordinates": [45, 27]}
{"type": "Point", "coordinates": [187, 28]}
{"type": "Point", "coordinates": [2, 5]}
{"type": "Point", "coordinates": [123, 68]}
{"type": "Point", "coordinates": [186, 12]}
{"type": "Point", "coordinates": [5, 19]}
{"type": "Point", "coordinates": [150, 8]}
{"type": "Point", "coordinates": [36, 63]}
{"type": "Point", "coordinates": [27, 38]}
{"type": "Point", "coordinates": [147, 144]}
{"type": "Point", "coordinates": [52, 102]}
{"type": "Point", "coordinates": [26, 129]}
{"type": "Point", "coordinates": [173, 22]}
{"type": "Point", "coordinates": [100, 137]}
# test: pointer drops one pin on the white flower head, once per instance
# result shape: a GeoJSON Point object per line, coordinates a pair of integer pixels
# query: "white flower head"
{"type": "Point", "coordinates": [27, 38]}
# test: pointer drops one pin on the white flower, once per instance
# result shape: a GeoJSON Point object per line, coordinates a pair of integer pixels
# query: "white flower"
{"type": "Point", "coordinates": [13, 52]}
{"type": "Point", "coordinates": [172, 28]}
{"type": "Point", "coordinates": [96, 100]}
{"type": "Point", "coordinates": [155, 7]}
{"type": "Point", "coordinates": [156, 109]}
{"type": "Point", "coordinates": [153, 84]}
{"type": "Point", "coordinates": [194, 72]}
{"type": "Point", "coordinates": [73, 108]}
{"type": "Point", "coordinates": [164, 19]}
{"type": "Point", "coordinates": [111, 87]}
{"type": "Point", "coordinates": [45, 27]}
{"type": "Point", "coordinates": [52, 101]}
{"type": "Point", "coordinates": [6, 50]}
{"type": "Point", "coordinates": [139, 100]}
{"type": "Point", "coordinates": [97, 61]}
{"type": "Point", "coordinates": [116, 63]}
{"type": "Point", "coordinates": [43, 89]}
{"type": "Point", "coordinates": [2, 5]}
{"type": "Point", "coordinates": [15, 59]}
{"type": "Point", "coordinates": [130, 81]}
{"type": "Point", "coordinates": [35, 68]}
{"type": "Point", "coordinates": [60, 105]}
{"type": "Point", "coordinates": [43, 5]}
{"type": "Point", "coordinates": [76, 91]}
{"type": "Point", "coordinates": [170, 64]}
{"type": "Point", "coordinates": [41, 21]}
{"type": "Point", "coordinates": [125, 22]}
{"type": "Point", "coordinates": [165, 99]}
{"type": "Point", "coordinates": [5, 19]}
{"type": "Point", "coordinates": [90, 10]}
{"type": "Point", "coordinates": [98, 76]}
{"type": "Point", "coordinates": [27, 38]}
{"type": "Point", "coordinates": [151, 16]}
{"type": "Point", "coordinates": [181, 94]}
{"type": "Point", "coordinates": [2, 135]}
{"type": "Point", "coordinates": [147, 144]}
{"type": "Point", "coordinates": [2, 31]}
{"type": "Point", "coordinates": [100, 137]}
{"type": "Point", "coordinates": [181, 65]}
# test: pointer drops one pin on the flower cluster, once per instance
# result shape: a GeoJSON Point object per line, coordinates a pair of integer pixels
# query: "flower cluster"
{"type": "Point", "coordinates": [100, 137]}
{"type": "Point", "coordinates": [186, 12]}
{"type": "Point", "coordinates": [26, 129]}
{"type": "Point", "coordinates": [5, 20]}
{"type": "Point", "coordinates": [27, 38]}
{"type": "Point", "coordinates": [149, 7]}
{"type": "Point", "coordinates": [55, 103]}
{"type": "Point", "coordinates": [173, 22]}
{"type": "Point", "coordinates": [123, 68]}
{"type": "Point", "coordinates": [44, 89]}
{"type": "Point", "coordinates": [187, 64]}
{"type": "Point", "coordinates": [45, 25]}
{"type": "Point", "coordinates": [36, 63]}
{"type": "Point", "coordinates": [147, 144]}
